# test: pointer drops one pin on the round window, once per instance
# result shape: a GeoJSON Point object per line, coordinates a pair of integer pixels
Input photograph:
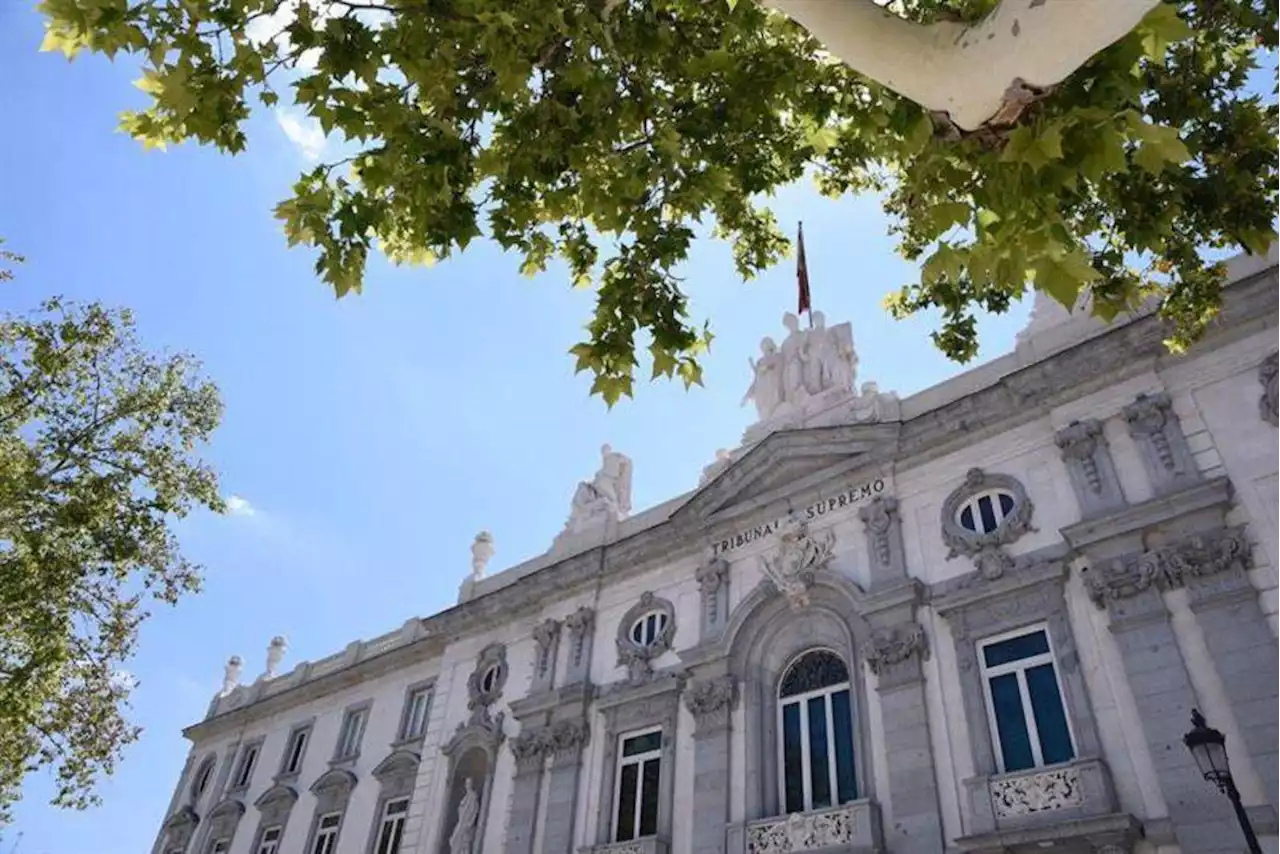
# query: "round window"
{"type": "Point", "coordinates": [647, 631]}
{"type": "Point", "coordinates": [986, 511]}
{"type": "Point", "coordinates": [489, 681]}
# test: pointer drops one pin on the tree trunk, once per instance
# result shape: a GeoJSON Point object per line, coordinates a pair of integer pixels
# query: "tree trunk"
{"type": "Point", "coordinates": [974, 73]}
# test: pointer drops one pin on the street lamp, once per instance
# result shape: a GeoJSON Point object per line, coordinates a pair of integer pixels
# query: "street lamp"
{"type": "Point", "coordinates": [1209, 748]}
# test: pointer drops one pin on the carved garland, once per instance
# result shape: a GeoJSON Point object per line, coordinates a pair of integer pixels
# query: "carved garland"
{"type": "Point", "coordinates": [638, 658]}
{"type": "Point", "coordinates": [1170, 567]}
{"type": "Point", "coordinates": [986, 550]}
{"type": "Point", "coordinates": [560, 740]}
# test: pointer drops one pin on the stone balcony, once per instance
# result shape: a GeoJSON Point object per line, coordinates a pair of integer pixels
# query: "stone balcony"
{"type": "Point", "coordinates": [1039, 807]}
{"type": "Point", "coordinates": [851, 827]}
{"type": "Point", "coordinates": [644, 845]}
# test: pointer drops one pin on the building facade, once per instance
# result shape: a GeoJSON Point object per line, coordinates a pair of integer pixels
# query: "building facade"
{"type": "Point", "coordinates": [976, 619]}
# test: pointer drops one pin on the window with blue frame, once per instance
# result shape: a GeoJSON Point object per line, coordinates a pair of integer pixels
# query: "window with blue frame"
{"type": "Point", "coordinates": [1024, 701]}
{"type": "Point", "coordinates": [816, 722]}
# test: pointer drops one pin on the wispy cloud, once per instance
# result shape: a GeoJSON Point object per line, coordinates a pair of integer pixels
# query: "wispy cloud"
{"type": "Point", "coordinates": [303, 131]}
{"type": "Point", "coordinates": [239, 506]}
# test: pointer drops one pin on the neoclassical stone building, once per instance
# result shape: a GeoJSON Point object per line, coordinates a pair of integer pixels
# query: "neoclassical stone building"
{"type": "Point", "coordinates": [976, 619]}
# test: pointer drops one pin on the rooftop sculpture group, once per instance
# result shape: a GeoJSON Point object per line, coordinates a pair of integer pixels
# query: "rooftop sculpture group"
{"type": "Point", "coordinates": [602, 501]}
{"type": "Point", "coordinates": [809, 364]}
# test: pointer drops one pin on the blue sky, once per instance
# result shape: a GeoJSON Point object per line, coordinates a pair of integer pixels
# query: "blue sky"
{"type": "Point", "coordinates": [368, 439]}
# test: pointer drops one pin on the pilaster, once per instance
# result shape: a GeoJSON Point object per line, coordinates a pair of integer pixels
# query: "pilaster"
{"type": "Point", "coordinates": [711, 700]}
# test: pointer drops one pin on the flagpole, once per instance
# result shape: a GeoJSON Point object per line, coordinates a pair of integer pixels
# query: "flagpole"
{"type": "Point", "coordinates": [808, 311]}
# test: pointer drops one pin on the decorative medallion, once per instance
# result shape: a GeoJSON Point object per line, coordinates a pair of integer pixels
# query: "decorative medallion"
{"type": "Point", "coordinates": [798, 556]}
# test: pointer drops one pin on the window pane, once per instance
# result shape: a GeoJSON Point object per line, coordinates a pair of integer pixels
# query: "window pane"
{"type": "Point", "coordinates": [792, 768]}
{"type": "Point", "coordinates": [626, 819]}
{"type": "Point", "coordinates": [1035, 643]}
{"type": "Point", "coordinates": [649, 797]}
{"type": "Point", "coordinates": [819, 763]}
{"type": "Point", "coordinates": [642, 744]}
{"type": "Point", "coordinates": [1051, 719]}
{"type": "Point", "coordinates": [1015, 745]}
{"type": "Point", "coordinates": [1006, 504]}
{"type": "Point", "coordinates": [846, 782]}
{"type": "Point", "coordinates": [988, 514]}
{"type": "Point", "coordinates": [966, 518]}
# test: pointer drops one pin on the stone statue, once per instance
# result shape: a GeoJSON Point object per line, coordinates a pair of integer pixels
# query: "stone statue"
{"type": "Point", "coordinates": [766, 387]}
{"type": "Point", "coordinates": [606, 497]}
{"type": "Point", "coordinates": [481, 550]}
{"type": "Point", "coordinates": [465, 830]}
{"type": "Point", "coordinates": [793, 358]}
{"type": "Point", "coordinates": [231, 675]}
{"type": "Point", "coordinates": [840, 359]}
{"type": "Point", "coordinates": [275, 654]}
{"type": "Point", "coordinates": [723, 459]}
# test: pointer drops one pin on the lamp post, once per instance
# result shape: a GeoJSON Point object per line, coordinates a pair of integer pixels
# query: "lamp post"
{"type": "Point", "coordinates": [1209, 748]}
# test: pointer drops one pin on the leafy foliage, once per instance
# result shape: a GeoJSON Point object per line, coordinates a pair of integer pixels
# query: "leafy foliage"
{"type": "Point", "coordinates": [564, 127]}
{"type": "Point", "coordinates": [96, 458]}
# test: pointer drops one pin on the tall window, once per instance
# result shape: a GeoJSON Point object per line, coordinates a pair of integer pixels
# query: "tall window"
{"type": "Point", "coordinates": [244, 773]}
{"type": "Point", "coordinates": [270, 843]}
{"type": "Point", "coordinates": [295, 750]}
{"type": "Point", "coordinates": [326, 841]}
{"type": "Point", "coordinates": [816, 722]}
{"type": "Point", "coordinates": [416, 706]}
{"type": "Point", "coordinates": [392, 826]}
{"type": "Point", "coordinates": [639, 772]}
{"type": "Point", "coordinates": [220, 846]}
{"type": "Point", "coordinates": [203, 775]}
{"type": "Point", "coordinates": [349, 735]}
{"type": "Point", "coordinates": [1024, 700]}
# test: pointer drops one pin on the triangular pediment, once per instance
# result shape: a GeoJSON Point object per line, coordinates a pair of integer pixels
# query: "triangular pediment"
{"type": "Point", "coordinates": [784, 462]}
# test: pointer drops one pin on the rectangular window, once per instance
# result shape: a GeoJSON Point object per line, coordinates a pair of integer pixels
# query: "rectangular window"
{"type": "Point", "coordinates": [350, 734]}
{"type": "Point", "coordinates": [1024, 700]}
{"type": "Point", "coordinates": [270, 843]}
{"type": "Point", "coordinates": [326, 841]}
{"type": "Point", "coordinates": [244, 773]}
{"type": "Point", "coordinates": [416, 706]}
{"type": "Point", "coordinates": [392, 826]}
{"type": "Point", "coordinates": [294, 750]}
{"type": "Point", "coordinates": [639, 773]}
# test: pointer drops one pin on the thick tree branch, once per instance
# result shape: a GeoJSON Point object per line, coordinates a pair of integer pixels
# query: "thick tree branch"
{"type": "Point", "coordinates": [972, 73]}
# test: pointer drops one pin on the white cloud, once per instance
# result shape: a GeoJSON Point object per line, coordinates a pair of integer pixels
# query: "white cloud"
{"type": "Point", "coordinates": [239, 506]}
{"type": "Point", "coordinates": [303, 131]}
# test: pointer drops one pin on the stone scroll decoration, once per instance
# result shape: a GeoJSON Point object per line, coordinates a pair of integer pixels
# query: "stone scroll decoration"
{"type": "Point", "coordinates": [559, 741]}
{"type": "Point", "coordinates": [635, 655]}
{"type": "Point", "coordinates": [1269, 403]}
{"type": "Point", "coordinates": [1014, 797]}
{"type": "Point", "coordinates": [1171, 566]}
{"type": "Point", "coordinates": [1162, 446]}
{"type": "Point", "coordinates": [986, 550]}
{"type": "Point", "coordinates": [713, 586]}
{"type": "Point", "coordinates": [895, 645]}
{"type": "Point", "coordinates": [546, 637]}
{"type": "Point", "coordinates": [882, 524]}
{"type": "Point", "coordinates": [800, 554]}
{"type": "Point", "coordinates": [580, 625]}
{"type": "Point", "coordinates": [711, 702]}
{"type": "Point", "coordinates": [1087, 456]}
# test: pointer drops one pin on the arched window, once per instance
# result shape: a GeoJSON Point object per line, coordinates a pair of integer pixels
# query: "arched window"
{"type": "Point", "coordinates": [815, 719]}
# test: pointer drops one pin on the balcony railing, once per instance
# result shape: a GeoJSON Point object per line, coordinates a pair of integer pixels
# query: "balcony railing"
{"type": "Point", "coordinates": [646, 845]}
{"type": "Point", "coordinates": [1040, 796]}
{"type": "Point", "coordinates": [854, 826]}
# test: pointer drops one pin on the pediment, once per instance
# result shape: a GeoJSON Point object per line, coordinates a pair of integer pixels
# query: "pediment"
{"type": "Point", "coordinates": [228, 807]}
{"type": "Point", "coordinates": [184, 816]}
{"type": "Point", "coordinates": [335, 779]}
{"type": "Point", "coordinates": [279, 793]}
{"type": "Point", "coordinates": [400, 763]}
{"type": "Point", "coordinates": [784, 462]}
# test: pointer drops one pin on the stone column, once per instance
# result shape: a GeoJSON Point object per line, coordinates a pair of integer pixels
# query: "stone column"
{"type": "Point", "coordinates": [1240, 642]}
{"type": "Point", "coordinates": [565, 742]}
{"type": "Point", "coordinates": [711, 701]}
{"type": "Point", "coordinates": [529, 751]}
{"type": "Point", "coordinates": [895, 653]}
{"type": "Point", "coordinates": [1163, 694]}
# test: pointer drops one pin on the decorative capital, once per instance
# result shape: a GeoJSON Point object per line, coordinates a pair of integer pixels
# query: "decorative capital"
{"type": "Point", "coordinates": [711, 701]}
{"type": "Point", "coordinates": [1079, 439]}
{"type": "Point", "coordinates": [1170, 567]}
{"type": "Point", "coordinates": [566, 739]}
{"type": "Point", "coordinates": [529, 748]}
{"type": "Point", "coordinates": [896, 644]}
{"type": "Point", "coordinates": [1269, 403]}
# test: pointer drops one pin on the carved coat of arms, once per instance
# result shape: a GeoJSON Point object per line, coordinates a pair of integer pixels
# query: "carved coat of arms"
{"type": "Point", "coordinates": [798, 556]}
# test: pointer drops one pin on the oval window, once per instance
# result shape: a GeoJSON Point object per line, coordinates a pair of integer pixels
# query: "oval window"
{"type": "Point", "coordinates": [489, 680]}
{"type": "Point", "coordinates": [986, 511]}
{"type": "Point", "coordinates": [647, 631]}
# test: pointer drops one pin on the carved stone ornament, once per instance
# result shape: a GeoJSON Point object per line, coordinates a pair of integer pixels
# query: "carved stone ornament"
{"type": "Point", "coordinates": [711, 576]}
{"type": "Point", "coordinates": [528, 749]}
{"type": "Point", "coordinates": [797, 558]}
{"type": "Point", "coordinates": [802, 832]}
{"type": "Point", "coordinates": [877, 519]}
{"type": "Point", "coordinates": [486, 682]}
{"type": "Point", "coordinates": [545, 635]}
{"type": "Point", "coordinates": [561, 740]}
{"type": "Point", "coordinates": [638, 657]}
{"type": "Point", "coordinates": [1079, 441]}
{"type": "Point", "coordinates": [895, 645]}
{"type": "Point", "coordinates": [579, 623]}
{"type": "Point", "coordinates": [1170, 567]}
{"type": "Point", "coordinates": [711, 701]}
{"type": "Point", "coordinates": [1268, 404]}
{"type": "Point", "coordinates": [986, 550]}
{"type": "Point", "coordinates": [1148, 416]}
{"type": "Point", "coordinates": [1014, 797]}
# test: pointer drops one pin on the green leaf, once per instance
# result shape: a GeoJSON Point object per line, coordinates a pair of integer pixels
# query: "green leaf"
{"type": "Point", "coordinates": [1063, 276]}
{"type": "Point", "coordinates": [1160, 147]}
{"type": "Point", "coordinates": [1161, 27]}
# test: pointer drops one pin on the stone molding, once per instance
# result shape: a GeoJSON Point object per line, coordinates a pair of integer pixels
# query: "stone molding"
{"type": "Point", "coordinates": [1269, 403]}
{"type": "Point", "coordinates": [711, 702]}
{"type": "Point", "coordinates": [894, 645]}
{"type": "Point", "coordinates": [638, 658]}
{"type": "Point", "coordinates": [986, 550]}
{"type": "Point", "coordinates": [1171, 566]}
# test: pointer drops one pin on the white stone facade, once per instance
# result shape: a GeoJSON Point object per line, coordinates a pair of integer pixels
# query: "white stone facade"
{"type": "Point", "coordinates": [1106, 508]}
